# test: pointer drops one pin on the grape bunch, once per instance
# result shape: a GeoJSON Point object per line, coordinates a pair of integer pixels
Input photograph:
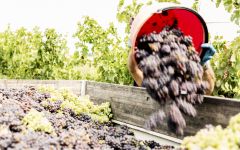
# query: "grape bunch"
{"type": "Point", "coordinates": [215, 137]}
{"type": "Point", "coordinates": [46, 118]}
{"type": "Point", "coordinates": [172, 75]}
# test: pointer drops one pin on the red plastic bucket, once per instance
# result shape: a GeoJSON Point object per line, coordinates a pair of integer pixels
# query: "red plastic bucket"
{"type": "Point", "coordinates": [155, 18]}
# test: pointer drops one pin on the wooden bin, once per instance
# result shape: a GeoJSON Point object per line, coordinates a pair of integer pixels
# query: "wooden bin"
{"type": "Point", "coordinates": [132, 105]}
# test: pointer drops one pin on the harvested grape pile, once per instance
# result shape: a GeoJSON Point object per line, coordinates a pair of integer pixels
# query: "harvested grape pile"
{"type": "Point", "coordinates": [215, 138]}
{"type": "Point", "coordinates": [172, 74]}
{"type": "Point", "coordinates": [48, 119]}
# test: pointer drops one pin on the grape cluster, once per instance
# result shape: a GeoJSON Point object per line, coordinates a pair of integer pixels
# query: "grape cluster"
{"type": "Point", "coordinates": [172, 74]}
{"type": "Point", "coordinates": [215, 137]}
{"type": "Point", "coordinates": [52, 119]}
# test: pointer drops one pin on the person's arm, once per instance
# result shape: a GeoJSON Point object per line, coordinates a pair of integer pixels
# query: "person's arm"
{"type": "Point", "coordinates": [208, 75]}
{"type": "Point", "coordinates": [134, 70]}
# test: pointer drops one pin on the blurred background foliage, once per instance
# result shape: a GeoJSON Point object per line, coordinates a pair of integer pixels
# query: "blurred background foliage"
{"type": "Point", "coordinates": [100, 53]}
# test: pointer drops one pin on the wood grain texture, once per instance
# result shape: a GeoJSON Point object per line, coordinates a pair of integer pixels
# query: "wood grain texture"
{"type": "Point", "coordinates": [133, 105]}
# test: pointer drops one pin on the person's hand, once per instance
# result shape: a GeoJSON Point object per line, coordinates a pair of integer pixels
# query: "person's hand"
{"type": "Point", "coordinates": [207, 52]}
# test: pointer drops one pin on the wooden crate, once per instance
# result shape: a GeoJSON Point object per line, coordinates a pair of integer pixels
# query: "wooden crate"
{"type": "Point", "coordinates": [133, 105]}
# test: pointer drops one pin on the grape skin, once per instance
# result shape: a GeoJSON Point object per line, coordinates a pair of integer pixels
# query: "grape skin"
{"type": "Point", "coordinates": [69, 129]}
{"type": "Point", "coordinates": [172, 72]}
{"type": "Point", "coordinates": [215, 137]}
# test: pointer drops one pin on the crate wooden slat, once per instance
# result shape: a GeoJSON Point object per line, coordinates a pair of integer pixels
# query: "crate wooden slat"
{"type": "Point", "coordinates": [133, 105]}
{"type": "Point", "coordinates": [73, 85]}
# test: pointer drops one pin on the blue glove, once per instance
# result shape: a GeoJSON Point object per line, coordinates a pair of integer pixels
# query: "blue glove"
{"type": "Point", "coordinates": [207, 52]}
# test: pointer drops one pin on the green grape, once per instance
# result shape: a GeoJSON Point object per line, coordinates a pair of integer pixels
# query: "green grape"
{"type": "Point", "coordinates": [79, 104]}
{"type": "Point", "coordinates": [36, 121]}
{"type": "Point", "coordinates": [55, 95]}
{"type": "Point", "coordinates": [215, 138]}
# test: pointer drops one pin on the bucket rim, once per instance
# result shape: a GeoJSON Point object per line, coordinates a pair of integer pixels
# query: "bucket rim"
{"type": "Point", "coordinates": [158, 10]}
